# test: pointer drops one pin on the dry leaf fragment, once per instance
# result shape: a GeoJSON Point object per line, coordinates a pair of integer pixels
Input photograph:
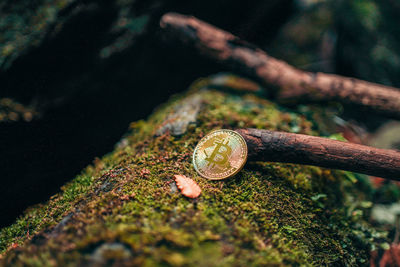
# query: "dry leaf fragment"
{"type": "Point", "coordinates": [188, 187]}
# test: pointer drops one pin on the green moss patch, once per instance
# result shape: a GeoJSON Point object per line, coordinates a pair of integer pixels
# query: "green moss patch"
{"type": "Point", "coordinates": [125, 209]}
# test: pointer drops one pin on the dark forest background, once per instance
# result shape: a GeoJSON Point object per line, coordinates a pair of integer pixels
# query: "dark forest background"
{"type": "Point", "coordinates": [75, 73]}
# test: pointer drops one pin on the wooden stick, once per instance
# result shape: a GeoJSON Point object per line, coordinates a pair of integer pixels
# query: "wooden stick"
{"type": "Point", "coordinates": [264, 145]}
{"type": "Point", "coordinates": [293, 84]}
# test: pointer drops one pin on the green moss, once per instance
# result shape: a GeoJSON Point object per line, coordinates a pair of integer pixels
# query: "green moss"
{"type": "Point", "coordinates": [24, 25]}
{"type": "Point", "coordinates": [270, 213]}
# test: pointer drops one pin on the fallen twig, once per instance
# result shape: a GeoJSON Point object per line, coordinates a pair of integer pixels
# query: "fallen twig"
{"type": "Point", "coordinates": [293, 84]}
{"type": "Point", "coordinates": [264, 145]}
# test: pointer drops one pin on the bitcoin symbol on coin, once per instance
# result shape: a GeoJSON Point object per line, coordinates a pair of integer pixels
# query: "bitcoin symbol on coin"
{"type": "Point", "coordinates": [220, 154]}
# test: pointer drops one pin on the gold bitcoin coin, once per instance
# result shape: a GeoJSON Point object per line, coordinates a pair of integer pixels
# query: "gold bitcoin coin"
{"type": "Point", "coordinates": [220, 154]}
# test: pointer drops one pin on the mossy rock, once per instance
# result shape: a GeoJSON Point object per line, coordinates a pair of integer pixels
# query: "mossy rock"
{"type": "Point", "coordinates": [125, 209]}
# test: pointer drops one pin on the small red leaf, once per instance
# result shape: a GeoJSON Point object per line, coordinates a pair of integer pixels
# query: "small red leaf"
{"type": "Point", "coordinates": [188, 187]}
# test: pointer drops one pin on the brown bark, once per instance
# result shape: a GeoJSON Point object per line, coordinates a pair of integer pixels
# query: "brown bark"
{"type": "Point", "coordinates": [264, 145]}
{"type": "Point", "coordinates": [293, 84]}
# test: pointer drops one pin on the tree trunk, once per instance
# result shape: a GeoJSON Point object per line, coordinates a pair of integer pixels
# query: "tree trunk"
{"type": "Point", "coordinates": [125, 209]}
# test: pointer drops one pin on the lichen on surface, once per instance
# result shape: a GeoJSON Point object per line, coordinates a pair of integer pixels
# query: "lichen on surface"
{"type": "Point", "coordinates": [125, 210]}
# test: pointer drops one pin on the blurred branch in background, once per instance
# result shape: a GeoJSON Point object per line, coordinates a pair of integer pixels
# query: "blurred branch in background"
{"type": "Point", "coordinates": [293, 84]}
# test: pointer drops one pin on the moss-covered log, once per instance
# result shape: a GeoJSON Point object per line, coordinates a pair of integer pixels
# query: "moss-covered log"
{"type": "Point", "coordinates": [125, 209]}
{"type": "Point", "coordinates": [75, 64]}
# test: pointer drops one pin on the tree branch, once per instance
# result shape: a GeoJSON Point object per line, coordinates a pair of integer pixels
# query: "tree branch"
{"type": "Point", "coordinates": [264, 145]}
{"type": "Point", "coordinates": [293, 84]}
